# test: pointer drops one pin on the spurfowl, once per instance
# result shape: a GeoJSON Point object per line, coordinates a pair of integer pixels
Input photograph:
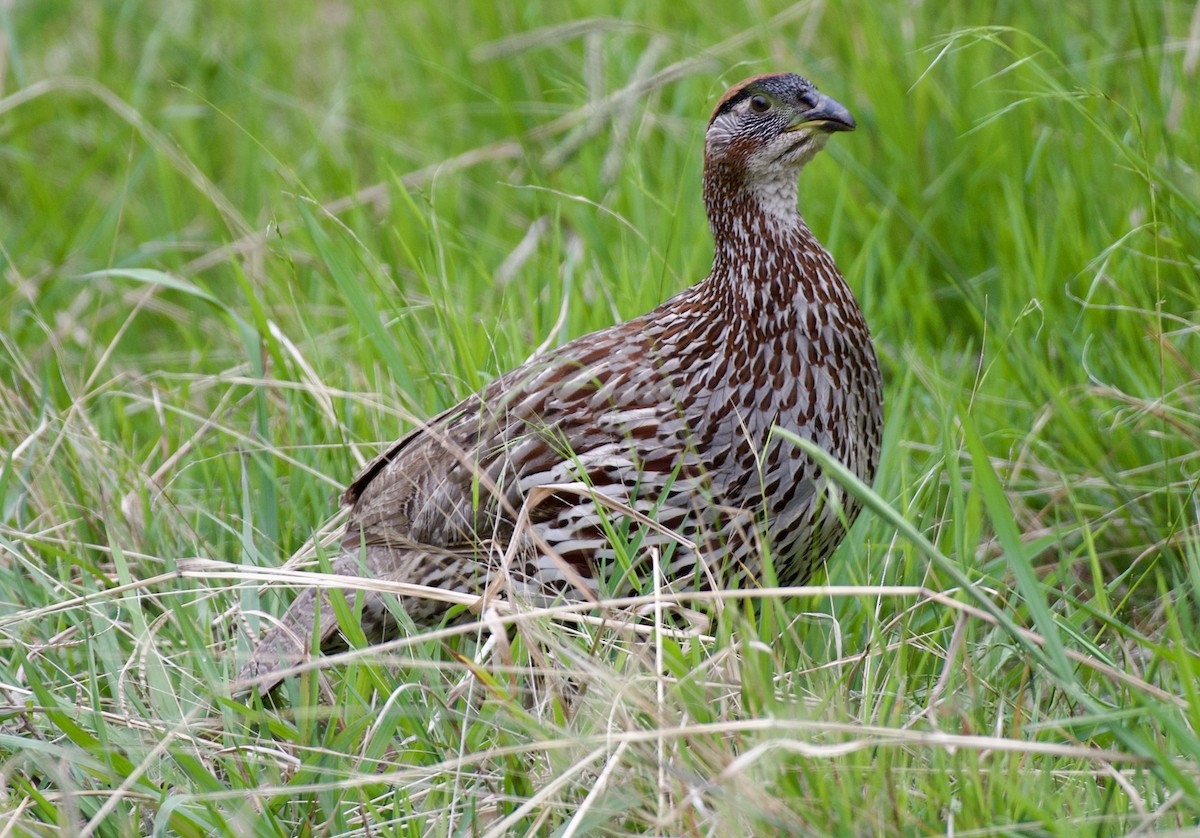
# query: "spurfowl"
{"type": "Point", "coordinates": [669, 413]}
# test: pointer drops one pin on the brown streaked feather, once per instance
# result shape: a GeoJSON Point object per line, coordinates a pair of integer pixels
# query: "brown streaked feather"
{"type": "Point", "coordinates": [367, 473]}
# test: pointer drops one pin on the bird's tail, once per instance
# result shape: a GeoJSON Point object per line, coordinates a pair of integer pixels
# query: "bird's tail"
{"type": "Point", "coordinates": [291, 639]}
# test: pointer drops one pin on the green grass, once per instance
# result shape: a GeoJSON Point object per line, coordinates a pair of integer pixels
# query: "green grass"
{"type": "Point", "coordinates": [203, 332]}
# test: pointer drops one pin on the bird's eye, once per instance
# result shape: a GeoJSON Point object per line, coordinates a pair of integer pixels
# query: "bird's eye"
{"type": "Point", "coordinates": [759, 104]}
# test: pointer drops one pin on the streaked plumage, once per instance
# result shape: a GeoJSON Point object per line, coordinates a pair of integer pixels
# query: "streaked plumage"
{"type": "Point", "coordinates": [669, 413]}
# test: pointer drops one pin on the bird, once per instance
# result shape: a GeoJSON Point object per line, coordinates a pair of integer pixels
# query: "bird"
{"type": "Point", "coordinates": [657, 431]}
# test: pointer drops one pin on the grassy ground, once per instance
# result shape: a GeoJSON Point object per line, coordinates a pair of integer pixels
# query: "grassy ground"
{"type": "Point", "coordinates": [243, 244]}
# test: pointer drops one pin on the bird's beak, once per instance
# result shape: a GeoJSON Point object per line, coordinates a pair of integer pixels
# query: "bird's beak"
{"type": "Point", "coordinates": [828, 115]}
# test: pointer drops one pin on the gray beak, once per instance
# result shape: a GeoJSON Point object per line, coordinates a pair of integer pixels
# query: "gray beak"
{"type": "Point", "coordinates": [828, 115]}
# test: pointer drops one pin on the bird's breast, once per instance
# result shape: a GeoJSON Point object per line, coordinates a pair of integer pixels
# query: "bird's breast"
{"type": "Point", "coordinates": [806, 366]}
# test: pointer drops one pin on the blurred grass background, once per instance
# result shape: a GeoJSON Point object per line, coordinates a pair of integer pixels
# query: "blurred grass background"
{"type": "Point", "coordinates": [242, 245]}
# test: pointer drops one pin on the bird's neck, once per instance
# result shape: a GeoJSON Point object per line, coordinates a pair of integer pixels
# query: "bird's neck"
{"type": "Point", "coordinates": [765, 256]}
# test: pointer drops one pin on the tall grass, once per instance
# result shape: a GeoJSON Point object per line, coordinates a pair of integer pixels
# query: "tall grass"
{"type": "Point", "coordinates": [243, 247]}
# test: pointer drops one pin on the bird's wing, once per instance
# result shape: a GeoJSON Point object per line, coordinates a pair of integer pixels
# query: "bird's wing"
{"type": "Point", "coordinates": [586, 412]}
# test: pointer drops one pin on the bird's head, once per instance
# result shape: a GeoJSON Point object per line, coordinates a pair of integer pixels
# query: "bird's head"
{"type": "Point", "coordinates": [765, 129]}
